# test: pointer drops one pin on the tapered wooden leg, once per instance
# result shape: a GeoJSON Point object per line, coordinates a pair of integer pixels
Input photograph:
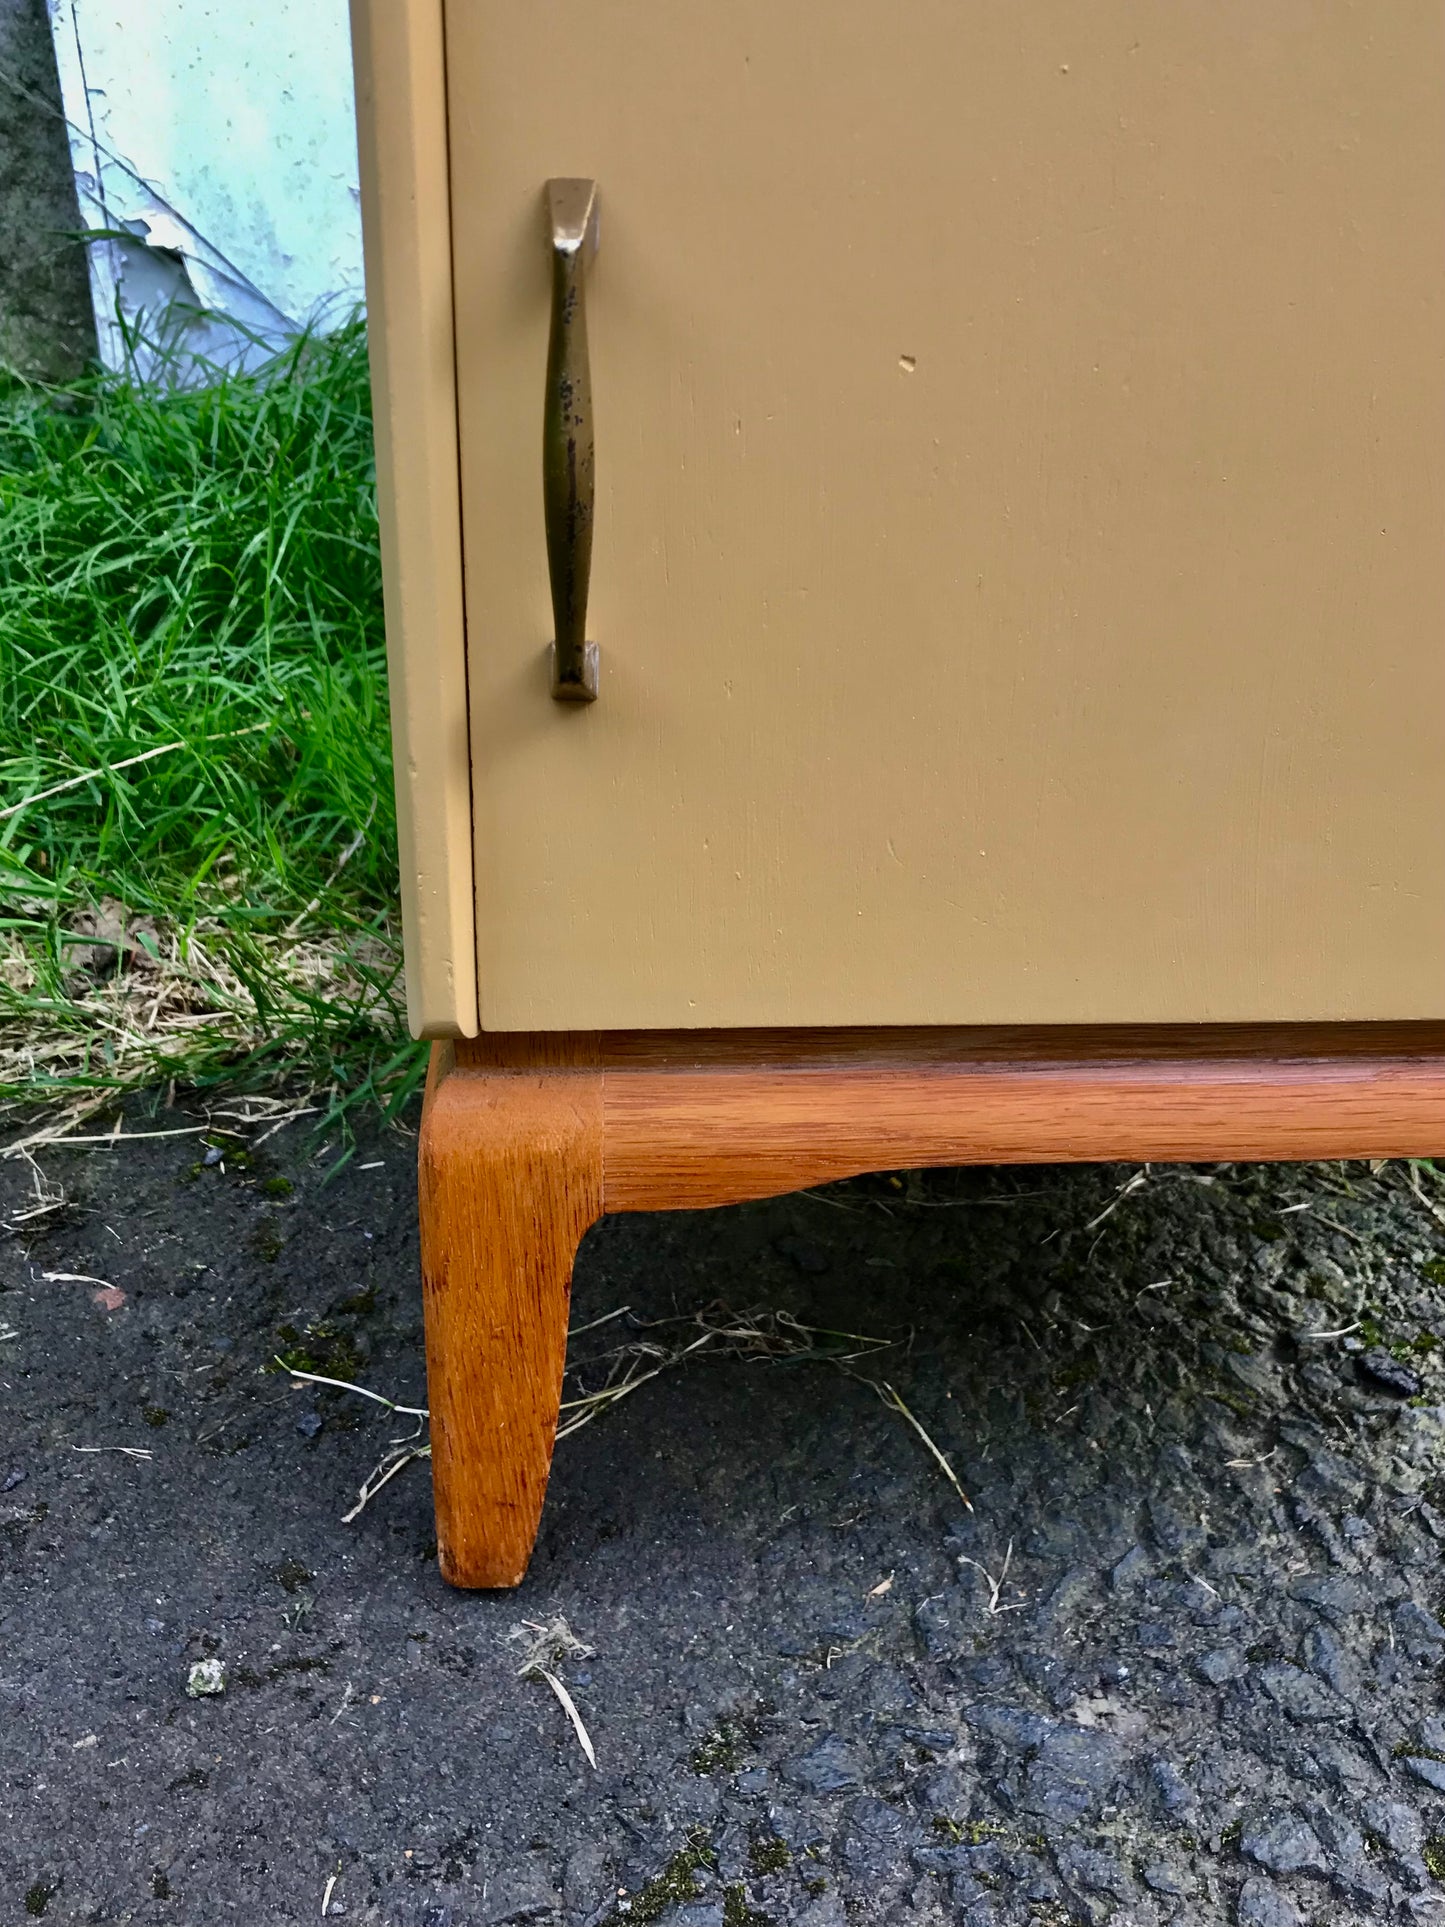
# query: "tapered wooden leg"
{"type": "Point", "coordinates": [510, 1179]}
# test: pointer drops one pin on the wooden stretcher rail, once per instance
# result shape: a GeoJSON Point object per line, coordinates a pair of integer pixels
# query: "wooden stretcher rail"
{"type": "Point", "coordinates": [703, 1118]}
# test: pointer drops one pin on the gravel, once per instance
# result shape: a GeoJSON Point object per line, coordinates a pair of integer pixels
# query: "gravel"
{"type": "Point", "coordinates": [1180, 1661]}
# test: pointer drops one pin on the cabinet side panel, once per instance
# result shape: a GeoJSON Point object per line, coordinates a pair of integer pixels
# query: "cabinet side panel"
{"type": "Point", "coordinates": [401, 132]}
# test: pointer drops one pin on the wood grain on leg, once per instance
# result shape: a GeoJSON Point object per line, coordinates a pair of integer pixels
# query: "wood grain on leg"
{"type": "Point", "coordinates": [510, 1179]}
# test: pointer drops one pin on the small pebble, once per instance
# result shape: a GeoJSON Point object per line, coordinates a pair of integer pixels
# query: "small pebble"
{"type": "Point", "coordinates": [1390, 1374]}
{"type": "Point", "coordinates": [1224, 1663]}
{"type": "Point", "coordinates": [213, 1155]}
{"type": "Point", "coordinates": [1164, 1879]}
{"type": "Point", "coordinates": [206, 1678]}
{"type": "Point", "coordinates": [1284, 1844]}
{"type": "Point", "coordinates": [309, 1423]}
{"type": "Point", "coordinates": [829, 1767]}
{"type": "Point", "coordinates": [12, 1479]}
{"type": "Point", "coordinates": [1261, 1905]}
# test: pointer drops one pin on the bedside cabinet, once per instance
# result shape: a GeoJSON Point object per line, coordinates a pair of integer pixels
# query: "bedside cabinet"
{"type": "Point", "coordinates": [914, 543]}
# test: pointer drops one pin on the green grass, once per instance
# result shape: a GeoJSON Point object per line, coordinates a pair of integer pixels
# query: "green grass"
{"type": "Point", "coordinates": [196, 568]}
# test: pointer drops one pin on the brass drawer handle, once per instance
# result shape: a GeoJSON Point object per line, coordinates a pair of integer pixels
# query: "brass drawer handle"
{"type": "Point", "coordinates": [567, 445]}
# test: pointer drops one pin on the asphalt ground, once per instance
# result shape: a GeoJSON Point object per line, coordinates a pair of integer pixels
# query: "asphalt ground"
{"type": "Point", "coordinates": [1160, 1642]}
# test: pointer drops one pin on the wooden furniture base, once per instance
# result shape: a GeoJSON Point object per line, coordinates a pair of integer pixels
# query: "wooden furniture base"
{"type": "Point", "coordinates": [526, 1141]}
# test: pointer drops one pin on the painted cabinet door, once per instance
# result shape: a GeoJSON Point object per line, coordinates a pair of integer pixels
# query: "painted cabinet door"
{"type": "Point", "coordinates": [1019, 560]}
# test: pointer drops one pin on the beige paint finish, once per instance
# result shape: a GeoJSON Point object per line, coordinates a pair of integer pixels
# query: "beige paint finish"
{"type": "Point", "coordinates": [1018, 567]}
{"type": "Point", "coordinates": [400, 98]}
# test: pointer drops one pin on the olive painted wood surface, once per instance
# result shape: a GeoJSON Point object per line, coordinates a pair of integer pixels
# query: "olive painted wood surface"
{"type": "Point", "coordinates": [1018, 566]}
{"type": "Point", "coordinates": [398, 54]}
{"type": "Point", "coordinates": [527, 1140]}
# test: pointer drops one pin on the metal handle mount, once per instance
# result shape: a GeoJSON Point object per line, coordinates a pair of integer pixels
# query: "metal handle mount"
{"type": "Point", "coordinates": [567, 442]}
